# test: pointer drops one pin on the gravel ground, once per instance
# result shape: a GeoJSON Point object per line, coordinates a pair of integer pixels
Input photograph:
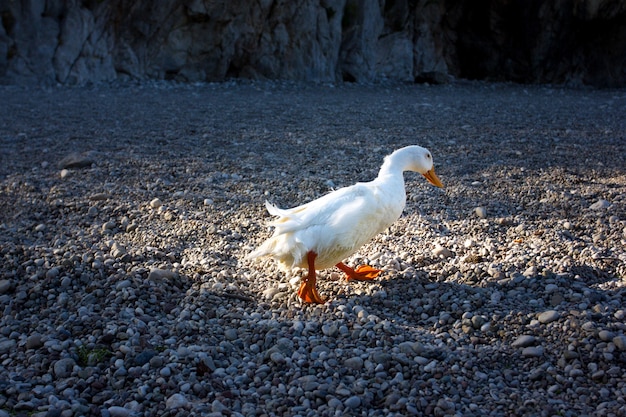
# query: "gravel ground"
{"type": "Point", "coordinates": [126, 213]}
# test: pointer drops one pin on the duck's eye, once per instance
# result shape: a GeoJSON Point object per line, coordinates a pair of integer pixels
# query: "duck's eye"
{"type": "Point", "coordinates": [428, 156]}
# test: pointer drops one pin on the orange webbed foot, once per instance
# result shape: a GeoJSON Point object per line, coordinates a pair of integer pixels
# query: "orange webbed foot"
{"type": "Point", "coordinates": [307, 291]}
{"type": "Point", "coordinates": [362, 273]}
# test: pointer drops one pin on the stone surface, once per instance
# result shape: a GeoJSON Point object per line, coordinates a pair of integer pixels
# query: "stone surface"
{"type": "Point", "coordinates": [315, 40]}
{"type": "Point", "coordinates": [181, 325]}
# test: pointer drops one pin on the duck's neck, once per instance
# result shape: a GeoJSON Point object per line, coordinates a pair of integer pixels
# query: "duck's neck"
{"type": "Point", "coordinates": [394, 165]}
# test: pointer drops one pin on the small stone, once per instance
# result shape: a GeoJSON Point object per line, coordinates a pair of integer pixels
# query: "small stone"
{"type": "Point", "coordinates": [605, 335]}
{"type": "Point", "coordinates": [5, 286]}
{"type": "Point", "coordinates": [411, 348]}
{"type": "Point", "coordinates": [531, 271]}
{"type": "Point", "coordinates": [277, 357]}
{"type": "Point", "coordinates": [599, 205]}
{"type": "Point", "coordinates": [353, 402]}
{"type": "Point", "coordinates": [53, 272]}
{"type": "Point", "coordinates": [620, 342]}
{"type": "Point", "coordinates": [550, 288]}
{"type": "Point", "coordinates": [63, 367]}
{"type": "Point", "coordinates": [157, 274]}
{"type": "Point", "coordinates": [98, 197]}
{"type": "Point", "coordinates": [64, 173]}
{"type": "Point", "coordinates": [355, 363]}
{"type": "Point", "coordinates": [176, 401]}
{"type": "Point", "coordinates": [532, 351]}
{"type": "Point", "coordinates": [156, 203]}
{"type": "Point", "coordinates": [231, 334]}
{"type": "Point", "coordinates": [524, 341]}
{"type": "Point", "coordinates": [330, 330]}
{"type": "Point", "coordinates": [34, 341]}
{"type": "Point", "coordinates": [218, 407]}
{"type": "Point", "coordinates": [144, 357]}
{"type": "Point", "coordinates": [117, 411]}
{"type": "Point", "coordinates": [442, 252]}
{"type": "Point", "coordinates": [117, 250]}
{"type": "Point", "coordinates": [110, 225]}
{"type": "Point", "coordinates": [481, 212]}
{"type": "Point", "coordinates": [270, 292]}
{"type": "Point", "coordinates": [597, 375]}
{"type": "Point", "coordinates": [7, 346]}
{"type": "Point", "coordinates": [548, 316]}
{"type": "Point", "coordinates": [156, 362]}
{"type": "Point", "coordinates": [76, 161]}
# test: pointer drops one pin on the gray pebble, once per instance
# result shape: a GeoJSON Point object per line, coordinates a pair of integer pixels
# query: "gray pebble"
{"type": "Point", "coordinates": [353, 402]}
{"type": "Point", "coordinates": [63, 367]}
{"type": "Point", "coordinates": [548, 316]}
{"type": "Point", "coordinates": [53, 272]}
{"type": "Point", "coordinates": [600, 204]}
{"type": "Point", "coordinates": [117, 411]}
{"type": "Point", "coordinates": [532, 351]}
{"type": "Point", "coordinates": [605, 335]}
{"type": "Point", "coordinates": [5, 286]}
{"type": "Point", "coordinates": [7, 345]}
{"type": "Point", "coordinates": [231, 334]}
{"type": "Point", "coordinates": [157, 274]}
{"type": "Point", "coordinates": [277, 357]}
{"type": "Point", "coordinates": [620, 342]}
{"type": "Point", "coordinates": [355, 363]}
{"type": "Point", "coordinates": [524, 341]}
{"type": "Point", "coordinates": [34, 341]}
{"type": "Point", "coordinates": [176, 401]}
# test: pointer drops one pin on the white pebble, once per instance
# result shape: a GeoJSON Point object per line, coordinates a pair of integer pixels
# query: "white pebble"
{"type": "Point", "coordinates": [156, 203]}
{"type": "Point", "coordinates": [441, 252]}
{"type": "Point", "coordinates": [481, 212]}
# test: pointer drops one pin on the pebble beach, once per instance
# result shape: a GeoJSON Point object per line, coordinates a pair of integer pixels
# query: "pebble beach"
{"type": "Point", "coordinates": [126, 213]}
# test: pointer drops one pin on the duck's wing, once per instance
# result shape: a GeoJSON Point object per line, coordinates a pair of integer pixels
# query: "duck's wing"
{"type": "Point", "coordinates": [331, 208]}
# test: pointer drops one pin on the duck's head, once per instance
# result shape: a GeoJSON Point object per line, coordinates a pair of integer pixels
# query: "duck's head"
{"type": "Point", "coordinates": [417, 159]}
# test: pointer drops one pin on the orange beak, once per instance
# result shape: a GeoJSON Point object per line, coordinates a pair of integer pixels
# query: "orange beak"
{"type": "Point", "coordinates": [433, 178]}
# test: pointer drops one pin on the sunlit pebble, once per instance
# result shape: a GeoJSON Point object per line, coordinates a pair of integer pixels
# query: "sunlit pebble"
{"type": "Point", "coordinates": [64, 173]}
{"type": "Point", "coordinates": [481, 212]}
{"type": "Point", "coordinates": [156, 203]}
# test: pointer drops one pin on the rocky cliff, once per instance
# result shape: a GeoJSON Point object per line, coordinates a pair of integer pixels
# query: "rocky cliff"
{"type": "Point", "coordinates": [74, 42]}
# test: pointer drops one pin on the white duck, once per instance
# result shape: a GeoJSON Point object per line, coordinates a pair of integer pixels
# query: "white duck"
{"type": "Point", "coordinates": [322, 233]}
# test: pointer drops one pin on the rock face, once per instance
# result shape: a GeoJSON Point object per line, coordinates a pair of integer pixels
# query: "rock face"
{"type": "Point", "coordinates": [73, 42]}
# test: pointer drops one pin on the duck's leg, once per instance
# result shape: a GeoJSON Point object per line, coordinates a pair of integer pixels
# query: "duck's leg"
{"type": "Point", "coordinates": [307, 292]}
{"type": "Point", "coordinates": [362, 273]}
